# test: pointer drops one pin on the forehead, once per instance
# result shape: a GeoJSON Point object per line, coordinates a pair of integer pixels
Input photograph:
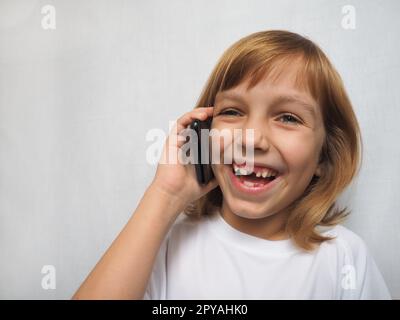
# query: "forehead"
{"type": "Point", "coordinates": [284, 78]}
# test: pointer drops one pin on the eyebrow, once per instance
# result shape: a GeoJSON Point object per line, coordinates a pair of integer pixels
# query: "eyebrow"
{"type": "Point", "coordinates": [278, 100]}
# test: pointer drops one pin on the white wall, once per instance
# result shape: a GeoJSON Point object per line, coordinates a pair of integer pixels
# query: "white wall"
{"type": "Point", "coordinates": [76, 103]}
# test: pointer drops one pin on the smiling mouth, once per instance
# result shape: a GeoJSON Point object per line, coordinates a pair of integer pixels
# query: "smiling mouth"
{"type": "Point", "coordinates": [255, 180]}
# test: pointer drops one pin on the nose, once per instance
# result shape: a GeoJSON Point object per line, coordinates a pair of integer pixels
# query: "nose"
{"type": "Point", "coordinates": [257, 136]}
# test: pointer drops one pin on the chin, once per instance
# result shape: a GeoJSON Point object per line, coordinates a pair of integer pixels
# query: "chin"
{"type": "Point", "coordinates": [247, 209]}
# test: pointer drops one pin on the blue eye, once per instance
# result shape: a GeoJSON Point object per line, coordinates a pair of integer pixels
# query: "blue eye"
{"type": "Point", "coordinates": [290, 119]}
{"type": "Point", "coordinates": [230, 112]}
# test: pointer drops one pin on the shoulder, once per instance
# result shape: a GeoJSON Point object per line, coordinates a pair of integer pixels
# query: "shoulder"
{"type": "Point", "coordinates": [359, 274]}
{"type": "Point", "coordinates": [346, 239]}
{"type": "Point", "coordinates": [348, 247]}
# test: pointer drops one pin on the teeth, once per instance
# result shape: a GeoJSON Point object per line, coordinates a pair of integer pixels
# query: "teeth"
{"type": "Point", "coordinates": [264, 174]}
{"type": "Point", "coordinates": [268, 173]}
{"type": "Point", "coordinates": [241, 171]}
{"type": "Point", "coordinates": [245, 172]}
{"type": "Point", "coordinates": [248, 183]}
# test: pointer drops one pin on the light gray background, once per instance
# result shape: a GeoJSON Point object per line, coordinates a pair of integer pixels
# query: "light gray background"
{"type": "Point", "coordinates": [76, 104]}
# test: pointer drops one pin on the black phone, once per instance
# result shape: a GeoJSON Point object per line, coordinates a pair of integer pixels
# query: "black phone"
{"type": "Point", "coordinates": [202, 163]}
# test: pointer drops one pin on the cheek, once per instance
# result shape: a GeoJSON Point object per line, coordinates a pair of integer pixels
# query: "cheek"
{"type": "Point", "coordinates": [299, 151]}
{"type": "Point", "coordinates": [221, 138]}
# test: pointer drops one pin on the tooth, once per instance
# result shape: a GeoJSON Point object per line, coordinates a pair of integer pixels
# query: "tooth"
{"type": "Point", "coordinates": [271, 173]}
{"type": "Point", "coordinates": [248, 183]}
{"type": "Point", "coordinates": [258, 174]}
{"type": "Point", "coordinates": [264, 174]}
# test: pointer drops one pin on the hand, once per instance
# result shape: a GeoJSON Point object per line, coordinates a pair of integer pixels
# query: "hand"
{"type": "Point", "coordinates": [175, 179]}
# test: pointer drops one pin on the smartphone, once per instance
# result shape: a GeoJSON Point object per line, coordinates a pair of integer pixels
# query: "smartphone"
{"type": "Point", "coordinates": [202, 163]}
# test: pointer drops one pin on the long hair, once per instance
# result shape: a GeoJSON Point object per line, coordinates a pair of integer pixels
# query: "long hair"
{"type": "Point", "coordinates": [262, 53]}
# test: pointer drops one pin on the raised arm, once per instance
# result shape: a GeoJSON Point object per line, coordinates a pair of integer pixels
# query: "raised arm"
{"type": "Point", "coordinates": [124, 270]}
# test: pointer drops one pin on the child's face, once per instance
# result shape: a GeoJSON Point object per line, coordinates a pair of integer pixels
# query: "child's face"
{"type": "Point", "coordinates": [291, 147]}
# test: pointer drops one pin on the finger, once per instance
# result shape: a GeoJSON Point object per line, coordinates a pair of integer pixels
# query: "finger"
{"type": "Point", "coordinates": [176, 134]}
{"type": "Point", "coordinates": [189, 117]}
{"type": "Point", "coordinates": [209, 110]}
{"type": "Point", "coordinates": [196, 114]}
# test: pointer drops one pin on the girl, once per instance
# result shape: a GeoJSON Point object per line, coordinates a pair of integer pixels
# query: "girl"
{"type": "Point", "coordinates": [266, 231]}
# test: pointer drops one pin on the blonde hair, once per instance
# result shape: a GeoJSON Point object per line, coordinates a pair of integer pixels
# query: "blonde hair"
{"type": "Point", "coordinates": [262, 53]}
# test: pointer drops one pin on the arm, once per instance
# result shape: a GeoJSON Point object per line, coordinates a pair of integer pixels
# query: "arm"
{"type": "Point", "coordinates": [124, 270]}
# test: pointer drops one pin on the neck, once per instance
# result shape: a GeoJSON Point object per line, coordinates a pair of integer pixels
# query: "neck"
{"type": "Point", "coordinates": [269, 228]}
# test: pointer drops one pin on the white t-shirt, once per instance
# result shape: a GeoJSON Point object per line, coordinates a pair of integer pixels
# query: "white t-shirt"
{"type": "Point", "coordinates": [209, 259]}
